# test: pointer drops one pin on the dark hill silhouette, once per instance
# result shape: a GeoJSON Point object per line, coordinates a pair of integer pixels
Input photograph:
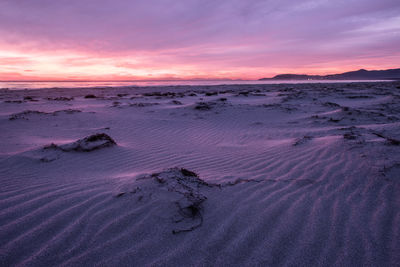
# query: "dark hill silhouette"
{"type": "Point", "coordinates": [362, 74]}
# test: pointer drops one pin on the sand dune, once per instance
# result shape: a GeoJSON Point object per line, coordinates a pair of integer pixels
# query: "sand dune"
{"type": "Point", "coordinates": [291, 175]}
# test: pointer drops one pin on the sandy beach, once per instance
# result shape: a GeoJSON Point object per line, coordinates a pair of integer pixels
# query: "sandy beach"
{"type": "Point", "coordinates": [234, 175]}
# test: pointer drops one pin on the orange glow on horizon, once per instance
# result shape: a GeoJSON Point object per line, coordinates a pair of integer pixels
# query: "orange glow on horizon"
{"type": "Point", "coordinates": [79, 66]}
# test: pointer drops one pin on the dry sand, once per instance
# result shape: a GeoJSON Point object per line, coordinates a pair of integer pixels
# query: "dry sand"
{"type": "Point", "coordinates": [274, 175]}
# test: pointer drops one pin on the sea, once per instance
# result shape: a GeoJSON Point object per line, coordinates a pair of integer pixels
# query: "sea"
{"type": "Point", "coordinates": [15, 85]}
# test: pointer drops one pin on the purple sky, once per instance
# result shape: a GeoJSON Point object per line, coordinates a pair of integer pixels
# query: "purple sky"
{"type": "Point", "coordinates": [121, 39]}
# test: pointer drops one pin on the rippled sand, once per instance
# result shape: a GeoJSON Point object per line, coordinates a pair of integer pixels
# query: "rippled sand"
{"type": "Point", "coordinates": [292, 175]}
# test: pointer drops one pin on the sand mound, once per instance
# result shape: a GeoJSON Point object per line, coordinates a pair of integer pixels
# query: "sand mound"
{"type": "Point", "coordinates": [87, 144]}
{"type": "Point", "coordinates": [184, 191]}
{"type": "Point", "coordinates": [25, 115]}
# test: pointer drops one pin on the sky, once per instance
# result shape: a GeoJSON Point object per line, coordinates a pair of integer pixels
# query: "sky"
{"type": "Point", "coordinates": [194, 39]}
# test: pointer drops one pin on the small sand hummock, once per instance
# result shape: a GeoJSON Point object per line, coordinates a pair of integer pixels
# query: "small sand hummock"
{"type": "Point", "coordinates": [86, 144]}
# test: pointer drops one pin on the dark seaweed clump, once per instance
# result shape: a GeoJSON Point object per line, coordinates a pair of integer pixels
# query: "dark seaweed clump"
{"type": "Point", "coordinates": [186, 172]}
{"type": "Point", "coordinates": [90, 96]}
{"type": "Point", "coordinates": [203, 106]}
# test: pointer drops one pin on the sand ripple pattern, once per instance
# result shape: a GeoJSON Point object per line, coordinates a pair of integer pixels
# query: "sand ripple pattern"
{"type": "Point", "coordinates": [327, 201]}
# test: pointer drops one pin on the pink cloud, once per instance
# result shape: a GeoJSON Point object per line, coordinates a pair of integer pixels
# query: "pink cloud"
{"type": "Point", "coordinates": [233, 39]}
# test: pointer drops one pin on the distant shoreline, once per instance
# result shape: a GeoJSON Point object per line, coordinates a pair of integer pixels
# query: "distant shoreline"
{"type": "Point", "coordinates": [62, 85]}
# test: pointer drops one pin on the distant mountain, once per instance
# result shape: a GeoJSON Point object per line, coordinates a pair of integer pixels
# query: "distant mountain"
{"type": "Point", "coordinates": [391, 74]}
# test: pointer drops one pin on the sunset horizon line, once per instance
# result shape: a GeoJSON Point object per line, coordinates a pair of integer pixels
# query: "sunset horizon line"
{"type": "Point", "coordinates": [187, 79]}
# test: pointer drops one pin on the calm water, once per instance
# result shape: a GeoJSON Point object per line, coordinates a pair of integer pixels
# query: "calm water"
{"type": "Point", "coordinates": [40, 85]}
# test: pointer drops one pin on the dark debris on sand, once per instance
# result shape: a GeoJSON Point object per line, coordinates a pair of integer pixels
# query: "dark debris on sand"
{"type": "Point", "coordinates": [30, 98]}
{"type": "Point", "coordinates": [60, 98]}
{"type": "Point", "coordinates": [302, 140]}
{"type": "Point", "coordinates": [90, 96]}
{"type": "Point", "coordinates": [203, 106]}
{"type": "Point", "coordinates": [186, 183]}
{"type": "Point", "coordinates": [141, 105]}
{"type": "Point", "coordinates": [389, 140]}
{"type": "Point", "coordinates": [188, 192]}
{"type": "Point", "coordinates": [176, 102]}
